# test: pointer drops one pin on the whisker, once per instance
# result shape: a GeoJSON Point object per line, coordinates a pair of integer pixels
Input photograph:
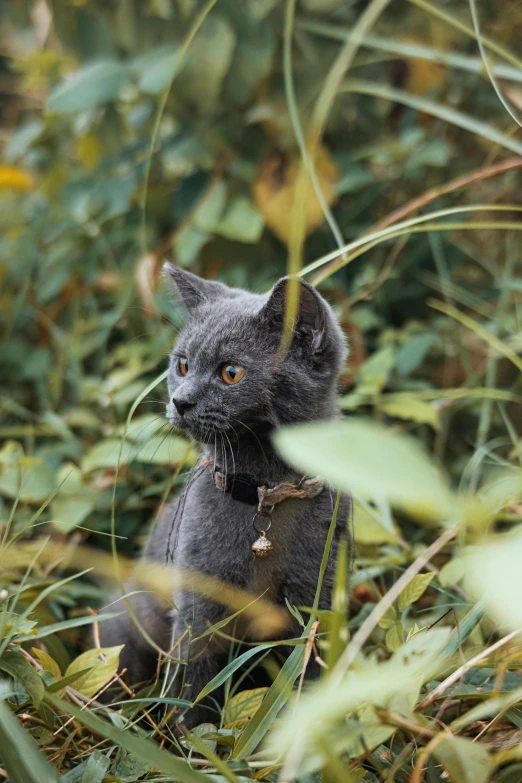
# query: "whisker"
{"type": "Point", "coordinates": [231, 452]}
{"type": "Point", "coordinates": [242, 423]}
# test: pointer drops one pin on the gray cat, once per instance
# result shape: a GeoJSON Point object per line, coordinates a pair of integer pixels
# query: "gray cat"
{"type": "Point", "coordinates": [229, 388]}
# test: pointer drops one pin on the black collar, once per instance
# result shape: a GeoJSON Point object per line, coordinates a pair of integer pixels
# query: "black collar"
{"type": "Point", "coordinates": [242, 487]}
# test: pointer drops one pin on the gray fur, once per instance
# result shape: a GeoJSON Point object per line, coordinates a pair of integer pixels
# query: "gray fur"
{"type": "Point", "coordinates": [209, 531]}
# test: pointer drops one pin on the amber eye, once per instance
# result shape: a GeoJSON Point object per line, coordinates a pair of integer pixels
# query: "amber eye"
{"type": "Point", "coordinates": [183, 366]}
{"type": "Point", "coordinates": [232, 374]}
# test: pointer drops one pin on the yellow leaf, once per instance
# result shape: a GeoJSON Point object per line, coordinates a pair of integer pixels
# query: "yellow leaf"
{"type": "Point", "coordinates": [368, 530]}
{"type": "Point", "coordinates": [89, 150]}
{"type": "Point", "coordinates": [101, 672]}
{"type": "Point", "coordinates": [274, 192]}
{"type": "Point", "coordinates": [48, 663]}
{"type": "Point", "coordinates": [241, 707]}
{"type": "Point", "coordinates": [394, 637]}
{"type": "Point", "coordinates": [414, 589]}
{"type": "Point", "coordinates": [12, 177]}
{"type": "Point", "coordinates": [411, 409]}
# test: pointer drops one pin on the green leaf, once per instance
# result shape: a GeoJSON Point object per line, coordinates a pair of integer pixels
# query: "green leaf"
{"type": "Point", "coordinates": [203, 731]}
{"type": "Point", "coordinates": [188, 243]}
{"type": "Point", "coordinates": [101, 670]}
{"type": "Point", "coordinates": [97, 766]}
{"type": "Point", "coordinates": [206, 64]}
{"type": "Point", "coordinates": [155, 68]}
{"type": "Point", "coordinates": [465, 761]}
{"type": "Point", "coordinates": [15, 665]}
{"type": "Point", "coordinates": [253, 59]}
{"type": "Point", "coordinates": [374, 373]}
{"type": "Point", "coordinates": [70, 511]}
{"type": "Point", "coordinates": [229, 670]}
{"type": "Point", "coordinates": [95, 83]}
{"type": "Point", "coordinates": [159, 450]}
{"type": "Point", "coordinates": [370, 460]}
{"type": "Point", "coordinates": [242, 221]}
{"type": "Point", "coordinates": [414, 589]}
{"type": "Point", "coordinates": [388, 619]}
{"type": "Point", "coordinates": [60, 685]}
{"type": "Point", "coordinates": [394, 636]}
{"type": "Point", "coordinates": [20, 755]}
{"type": "Point", "coordinates": [21, 627]}
{"type": "Point", "coordinates": [411, 353]}
{"type": "Point", "coordinates": [29, 478]}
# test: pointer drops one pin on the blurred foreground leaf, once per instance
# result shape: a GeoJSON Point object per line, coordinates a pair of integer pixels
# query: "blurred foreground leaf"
{"type": "Point", "coordinates": [493, 574]}
{"type": "Point", "coordinates": [372, 461]}
{"type": "Point", "coordinates": [465, 761]}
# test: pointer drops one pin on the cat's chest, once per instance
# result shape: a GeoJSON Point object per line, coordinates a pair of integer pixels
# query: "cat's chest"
{"type": "Point", "coordinates": [216, 534]}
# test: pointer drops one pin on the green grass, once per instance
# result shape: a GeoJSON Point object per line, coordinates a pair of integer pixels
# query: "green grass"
{"type": "Point", "coordinates": [204, 111]}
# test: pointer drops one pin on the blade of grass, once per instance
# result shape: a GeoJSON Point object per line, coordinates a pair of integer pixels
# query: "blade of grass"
{"type": "Point", "coordinates": [23, 761]}
{"type": "Point", "coordinates": [431, 195]}
{"type": "Point", "coordinates": [399, 229]}
{"type": "Point", "coordinates": [310, 149]}
{"type": "Point", "coordinates": [64, 625]}
{"type": "Point", "coordinates": [407, 50]}
{"type": "Point", "coordinates": [479, 330]}
{"type": "Point", "coordinates": [487, 66]}
{"type": "Point", "coordinates": [293, 112]}
{"type": "Point", "coordinates": [464, 28]}
{"type": "Point", "coordinates": [202, 15]}
{"type": "Point", "coordinates": [457, 674]}
{"type": "Point", "coordinates": [439, 110]}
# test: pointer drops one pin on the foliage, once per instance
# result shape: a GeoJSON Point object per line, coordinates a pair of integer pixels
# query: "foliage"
{"type": "Point", "coordinates": [375, 148]}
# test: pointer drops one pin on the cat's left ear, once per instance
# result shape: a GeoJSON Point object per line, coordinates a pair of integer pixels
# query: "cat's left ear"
{"type": "Point", "coordinates": [193, 290]}
{"type": "Point", "coordinates": [312, 319]}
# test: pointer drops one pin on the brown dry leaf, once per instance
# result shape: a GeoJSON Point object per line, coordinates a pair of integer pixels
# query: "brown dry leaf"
{"type": "Point", "coordinates": [423, 75]}
{"type": "Point", "coordinates": [274, 191]}
{"type": "Point", "coordinates": [147, 272]}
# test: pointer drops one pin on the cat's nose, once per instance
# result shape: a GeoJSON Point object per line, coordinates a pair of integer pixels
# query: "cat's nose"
{"type": "Point", "coordinates": [181, 405]}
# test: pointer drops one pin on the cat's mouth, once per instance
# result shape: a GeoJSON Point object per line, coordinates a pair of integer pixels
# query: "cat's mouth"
{"type": "Point", "coordinates": [200, 428]}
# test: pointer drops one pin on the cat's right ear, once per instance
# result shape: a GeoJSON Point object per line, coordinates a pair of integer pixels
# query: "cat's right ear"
{"type": "Point", "coordinates": [193, 290]}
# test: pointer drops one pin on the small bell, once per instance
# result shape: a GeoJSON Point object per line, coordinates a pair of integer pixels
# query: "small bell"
{"type": "Point", "coordinates": [262, 547]}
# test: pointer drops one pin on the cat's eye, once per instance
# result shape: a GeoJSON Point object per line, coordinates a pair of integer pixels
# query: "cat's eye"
{"type": "Point", "coordinates": [183, 365]}
{"type": "Point", "coordinates": [231, 373]}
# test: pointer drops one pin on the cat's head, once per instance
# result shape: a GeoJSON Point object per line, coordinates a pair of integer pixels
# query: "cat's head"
{"type": "Point", "coordinates": [227, 371]}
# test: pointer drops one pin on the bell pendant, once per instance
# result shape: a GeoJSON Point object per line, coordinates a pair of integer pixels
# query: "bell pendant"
{"type": "Point", "coordinates": [262, 547]}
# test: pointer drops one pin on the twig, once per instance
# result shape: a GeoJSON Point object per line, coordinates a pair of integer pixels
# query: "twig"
{"type": "Point", "coordinates": [307, 653]}
{"type": "Point", "coordinates": [353, 649]}
{"type": "Point", "coordinates": [444, 685]}
{"type": "Point", "coordinates": [430, 195]}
